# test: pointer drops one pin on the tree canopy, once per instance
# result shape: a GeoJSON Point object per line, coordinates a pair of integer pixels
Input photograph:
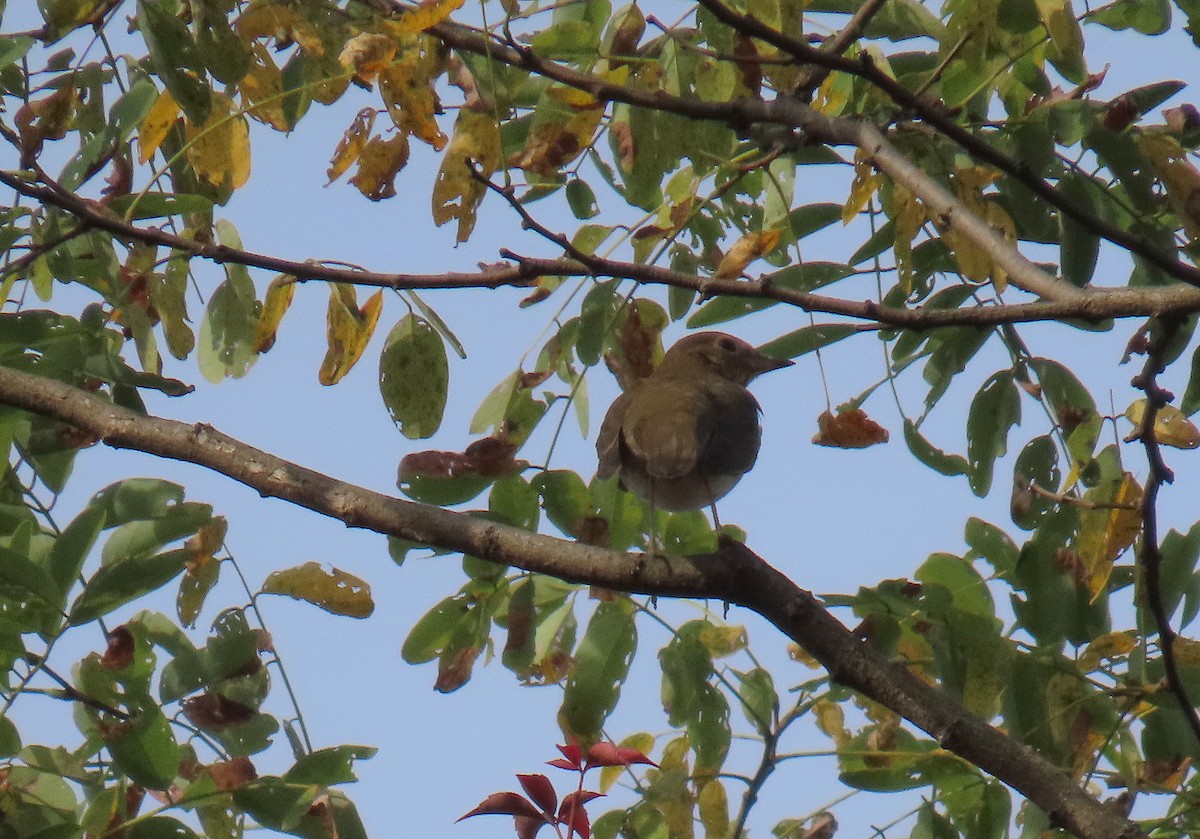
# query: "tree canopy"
{"type": "Point", "coordinates": [975, 185]}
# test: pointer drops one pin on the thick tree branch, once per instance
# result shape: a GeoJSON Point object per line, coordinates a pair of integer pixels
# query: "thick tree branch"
{"type": "Point", "coordinates": [734, 575]}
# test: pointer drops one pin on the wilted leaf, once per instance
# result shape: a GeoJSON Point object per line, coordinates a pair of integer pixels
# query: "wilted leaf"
{"type": "Point", "coordinates": [348, 330]}
{"type": "Point", "coordinates": [219, 150]}
{"type": "Point", "coordinates": [333, 590]}
{"type": "Point", "coordinates": [351, 144]}
{"type": "Point", "coordinates": [849, 429]}
{"type": "Point", "coordinates": [279, 297]}
{"type": "Point", "coordinates": [407, 88]}
{"type": "Point", "coordinates": [367, 53]}
{"type": "Point", "coordinates": [1108, 530]}
{"type": "Point", "coordinates": [1171, 425]}
{"type": "Point", "coordinates": [378, 164]}
{"type": "Point", "coordinates": [163, 116]}
{"type": "Point", "coordinates": [456, 194]}
{"type": "Point", "coordinates": [213, 712]}
{"type": "Point", "coordinates": [744, 251]}
{"type": "Point", "coordinates": [262, 90]}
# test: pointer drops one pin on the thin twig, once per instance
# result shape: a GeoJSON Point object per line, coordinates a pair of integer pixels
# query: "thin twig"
{"type": "Point", "coordinates": [1160, 336]}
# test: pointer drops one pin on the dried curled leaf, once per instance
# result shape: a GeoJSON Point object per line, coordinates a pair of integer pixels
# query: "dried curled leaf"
{"type": "Point", "coordinates": [351, 145]}
{"type": "Point", "coordinates": [850, 429]}
{"type": "Point", "coordinates": [744, 251]}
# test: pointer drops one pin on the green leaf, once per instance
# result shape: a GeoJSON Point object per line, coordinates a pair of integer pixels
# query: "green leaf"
{"type": "Point", "coordinates": [760, 700]}
{"type": "Point", "coordinates": [159, 827]}
{"type": "Point", "coordinates": [1079, 245]}
{"type": "Point", "coordinates": [930, 455]}
{"type": "Point", "coordinates": [326, 767]}
{"type": "Point", "coordinates": [276, 804]}
{"type": "Point", "coordinates": [414, 377]}
{"type": "Point", "coordinates": [226, 343]}
{"type": "Point", "coordinates": [1150, 17]}
{"type": "Point", "coordinates": [140, 538]}
{"type": "Point", "coordinates": [159, 205]}
{"type": "Point", "coordinates": [432, 632]}
{"type": "Point", "coordinates": [119, 583]}
{"type": "Point", "coordinates": [73, 545]}
{"type": "Point", "coordinates": [565, 497]}
{"type": "Point", "coordinates": [173, 53]}
{"type": "Point", "coordinates": [1037, 463]}
{"type": "Point", "coordinates": [602, 662]}
{"type": "Point", "coordinates": [514, 501]}
{"type": "Point", "coordinates": [808, 339]}
{"type": "Point", "coordinates": [990, 543]}
{"type": "Point", "coordinates": [597, 319]}
{"type": "Point", "coordinates": [145, 749]}
{"type": "Point", "coordinates": [995, 409]}
{"type": "Point", "coordinates": [581, 199]}
{"type": "Point", "coordinates": [18, 570]}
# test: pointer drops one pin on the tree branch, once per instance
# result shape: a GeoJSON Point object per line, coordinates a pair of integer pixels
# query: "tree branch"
{"type": "Point", "coordinates": [1089, 305]}
{"type": "Point", "coordinates": [735, 575]}
{"type": "Point", "coordinates": [934, 113]}
{"type": "Point", "coordinates": [1161, 334]}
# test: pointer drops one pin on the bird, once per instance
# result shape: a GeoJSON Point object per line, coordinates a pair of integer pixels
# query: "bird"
{"type": "Point", "coordinates": [682, 437]}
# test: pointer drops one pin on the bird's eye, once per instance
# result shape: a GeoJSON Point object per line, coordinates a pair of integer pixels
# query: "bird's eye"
{"type": "Point", "coordinates": [728, 343]}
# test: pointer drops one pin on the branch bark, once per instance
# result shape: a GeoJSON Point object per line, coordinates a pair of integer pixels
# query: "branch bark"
{"type": "Point", "coordinates": [734, 574]}
{"type": "Point", "coordinates": [1088, 305]}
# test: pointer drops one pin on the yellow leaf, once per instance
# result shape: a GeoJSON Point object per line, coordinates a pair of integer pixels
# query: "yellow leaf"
{"type": "Point", "coordinates": [1112, 645]}
{"type": "Point", "coordinates": [744, 251]}
{"type": "Point", "coordinates": [279, 296]}
{"type": "Point", "coordinates": [832, 721]}
{"type": "Point", "coordinates": [1106, 531]}
{"type": "Point", "coordinates": [378, 166]}
{"type": "Point", "coordinates": [866, 184]}
{"type": "Point", "coordinates": [262, 89]}
{"type": "Point", "coordinates": [335, 590]}
{"type": "Point", "coordinates": [908, 214]}
{"type": "Point", "coordinates": [407, 88]}
{"type": "Point", "coordinates": [1178, 175]}
{"type": "Point", "coordinates": [714, 809]}
{"type": "Point", "coordinates": [552, 145]}
{"type": "Point", "coordinates": [1171, 425]}
{"type": "Point", "coordinates": [283, 23]}
{"type": "Point", "coordinates": [219, 150]}
{"type": "Point", "coordinates": [368, 53]}
{"type": "Point", "coordinates": [348, 330]}
{"type": "Point", "coordinates": [1059, 19]}
{"type": "Point", "coordinates": [834, 94]}
{"type": "Point", "coordinates": [1186, 651]}
{"type": "Point", "coordinates": [351, 145]}
{"type": "Point", "coordinates": [476, 137]}
{"type": "Point", "coordinates": [157, 124]}
{"type": "Point", "coordinates": [429, 13]}
{"type": "Point", "coordinates": [721, 641]}
{"type": "Point", "coordinates": [1001, 222]}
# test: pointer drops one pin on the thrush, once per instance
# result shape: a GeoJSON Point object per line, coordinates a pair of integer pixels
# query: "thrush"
{"type": "Point", "coordinates": [681, 438]}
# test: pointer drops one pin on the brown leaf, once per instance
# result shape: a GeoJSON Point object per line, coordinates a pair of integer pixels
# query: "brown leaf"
{"type": "Point", "coordinates": [119, 653]}
{"type": "Point", "coordinates": [213, 712]}
{"type": "Point", "coordinates": [849, 429]}
{"type": "Point", "coordinates": [230, 775]}
{"type": "Point", "coordinates": [454, 672]}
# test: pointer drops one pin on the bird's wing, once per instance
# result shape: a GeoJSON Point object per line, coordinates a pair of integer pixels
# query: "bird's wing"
{"type": "Point", "coordinates": [608, 441]}
{"type": "Point", "coordinates": [667, 433]}
{"type": "Point", "coordinates": [732, 433]}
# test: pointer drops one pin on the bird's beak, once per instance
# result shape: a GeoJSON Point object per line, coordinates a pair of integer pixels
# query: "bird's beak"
{"type": "Point", "coordinates": [765, 364]}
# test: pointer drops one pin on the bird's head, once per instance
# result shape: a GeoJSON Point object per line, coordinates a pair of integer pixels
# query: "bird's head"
{"type": "Point", "coordinates": [716, 352]}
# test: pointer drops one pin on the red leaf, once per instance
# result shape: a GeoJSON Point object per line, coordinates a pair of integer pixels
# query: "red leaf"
{"type": "Point", "coordinates": [608, 754]}
{"type": "Point", "coordinates": [578, 816]}
{"type": "Point", "coordinates": [573, 755]}
{"type": "Point", "coordinates": [540, 790]}
{"type": "Point", "coordinates": [578, 800]}
{"type": "Point", "coordinates": [506, 804]}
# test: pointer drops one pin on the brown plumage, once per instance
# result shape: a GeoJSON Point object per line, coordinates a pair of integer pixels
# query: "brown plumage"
{"type": "Point", "coordinates": [684, 436]}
